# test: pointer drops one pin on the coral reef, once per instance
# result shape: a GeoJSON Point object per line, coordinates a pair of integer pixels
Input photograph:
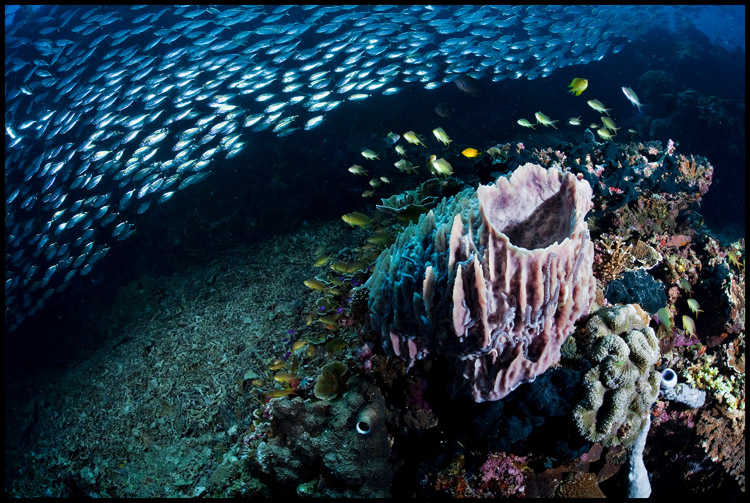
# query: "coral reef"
{"type": "Point", "coordinates": [330, 382]}
{"type": "Point", "coordinates": [315, 446]}
{"type": "Point", "coordinates": [723, 438]}
{"type": "Point", "coordinates": [637, 287]}
{"type": "Point", "coordinates": [493, 280]}
{"type": "Point", "coordinates": [726, 387]}
{"type": "Point", "coordinates": [622, 384]}
{"type": "Point", "coordinates": [502, 475]}
{"type": "Point", "coordinates": [613, 257]}
{"type": "Point", "coordinates": [579, 485]}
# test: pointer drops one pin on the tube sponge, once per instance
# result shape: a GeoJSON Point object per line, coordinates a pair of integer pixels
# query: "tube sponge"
{"type": "Point", "coordinates": [623, 383]}
{"type": "Point", "coordinates": [493, 280]}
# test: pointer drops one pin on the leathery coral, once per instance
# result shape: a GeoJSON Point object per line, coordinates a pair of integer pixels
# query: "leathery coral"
{"type": "Point", "coordinates": [493, 280]}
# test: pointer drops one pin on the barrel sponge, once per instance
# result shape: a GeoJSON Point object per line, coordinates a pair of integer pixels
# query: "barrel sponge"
{"type": "Point", "coordinates": [622, 384]}
{"type": "Point", "coordinates": [492, 280]}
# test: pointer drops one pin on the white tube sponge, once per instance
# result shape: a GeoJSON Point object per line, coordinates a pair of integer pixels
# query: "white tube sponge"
{"type": "Point", "coordinates": [492, 279]}
{"type": "Point", "coordinates": [639, 485]}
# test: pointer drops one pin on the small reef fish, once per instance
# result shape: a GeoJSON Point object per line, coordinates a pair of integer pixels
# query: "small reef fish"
{"type": "Point", "coordinates": [441, 166]}
{"type": "Point", "coordinates": [575, 121]}
{"type": "Point", "coordinates": [443, 110]}
{"type": "Point", "coordinates": [604, 133]}
{"type": "Point", "coordinates": [471, 152]}
{"type": "Point", "coordinates": [733, 258]}
{"type": "Point", "coordinates": [544, 120]}
{"type": "Point", "coordinates": [609, 124]}
{"type": "Point", "coordinates": [321, 260]}
{"type": "Point", "coordinates": [356, 169]}
{"type": "Point", "coordinates": [284, 377]}
{"type": "Point", "coordinates": [412, 138]}
{"type": "Point", "coordinates": [694, 306]}
{"type": "Point", "coordinates": [315, 284]}
{"type": "Point", "coordinates": [356, 219]}
{"type": "Point", "coordinates": [578, 86]}
{"type": "Point", "coordinates": [400, 150]}
{"type": "Point", "coordinates": [688, 325]}
{"type": "Point", "coordinates": [280, 393]}
{"type": "Point", "coordinates": [685, 285]}
{"type": "Point", "coordinates": [368, 193]}
{"type": "Point", "coordinates": [630, 95]}
{"type": "Point", "coordinates": [664, 317]}
{"type": "Point", "coordinates": [369, 154]}
{"type": "Point", "coordinates": [405, 166]}
{"type": "Point", "coordinates": [441, 136]}
{"type": "Point", "coordinates": [277, 364]}
{"type": "Point", "coordinates": [525, 123]}
{"type": "Point", "coordinates": [392, 137]}
{"type": "Point", "coordinates": [598, 106]}
{"type": "Point", "coordinates": [468, 84]}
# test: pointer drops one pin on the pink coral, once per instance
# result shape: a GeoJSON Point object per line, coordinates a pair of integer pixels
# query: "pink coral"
{"type": "Point", "coordinates": [493, 280]}
{"type": "Point", "coordinates": [502, 476]}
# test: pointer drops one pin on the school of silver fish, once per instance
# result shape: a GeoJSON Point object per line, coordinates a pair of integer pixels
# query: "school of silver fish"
{"type": "Point", "coordinates": [112, 109]}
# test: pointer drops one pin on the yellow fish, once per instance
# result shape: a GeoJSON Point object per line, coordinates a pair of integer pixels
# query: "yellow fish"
{"type": "Point", "coordinates": [284, 377]}
{"type": "Point", "coordinates": [277, 364]}
{"type": "Point", "coordinates": [604, 133]}
{"type": "Point", "coordinates": [664, 318]}
{"type": "Point", "coordinates": [471, 152]}
{"type": "Point", "coordinates": [356, 218]}
{"type": "Point", "coordinates": [405, 166]}
{"type": "Point", "coordinates": [369, 154]}
{"type": "Point", "coordinates": [280, 393]}
{"type": "Point", "coordinates": [525, 123]}
{"type": "Point", "coordinates": [315, 284]}
{"type": "Point", "coordinates": [400, 150]}
{"type": "Point", "coordinates": [356, 169]}
{"type": "Point", "coordinates": [344, 268]}
{"type": "Point", "coordinates": [685, 284]}
{"type": "Point", "coordinates": [688, 325]}
{"type": "Point", "coordinates": [368, 193]}
{"type": "Point", "coordinates": [321, 260]}
{"type": "Point", "coordinates": [578, 86]}
{"type": "Point", "coordinates": [412, 138]}
{"type": "Point", "coordinates": [299, 344]}
{"type": "Point", "coordinates": [380, 237]}
{"type": "Point", "coordinates": [575, 121]}
{"type": "Point", "coordinates": [598, 106]}
{"type": "Point", "coordinates": [384, 179]}
{"type": "Point", "coordinates": [694, 306]}
{"type": "Point", "coordinates": [441, 136]}
{"type": "Point", "coordinates": [544, 120]}
{"type": "Point", "coordinates": [609, 124]}
{"type": "Point", "coordinates": [441, 166]}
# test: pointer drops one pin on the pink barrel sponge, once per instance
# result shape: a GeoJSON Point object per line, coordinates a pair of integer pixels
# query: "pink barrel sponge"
{"type": "Point", "coordinates": [493, 280]}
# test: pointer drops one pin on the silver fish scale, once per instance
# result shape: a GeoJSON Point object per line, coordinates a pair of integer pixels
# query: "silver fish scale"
{"type": "Point", "coordinates": [102, 76]}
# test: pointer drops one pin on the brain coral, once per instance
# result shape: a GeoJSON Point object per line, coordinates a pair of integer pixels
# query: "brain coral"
{"type": "Point", "coordinates": [623, 384]}
{"type": "Point", "coordinates": [493, 280]}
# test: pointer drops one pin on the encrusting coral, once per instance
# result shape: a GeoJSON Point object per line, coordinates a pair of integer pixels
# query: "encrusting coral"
{"type": "Point", "coordinates": [491, 279]}
{"type": "Point", "coordinates": [623, 384]}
